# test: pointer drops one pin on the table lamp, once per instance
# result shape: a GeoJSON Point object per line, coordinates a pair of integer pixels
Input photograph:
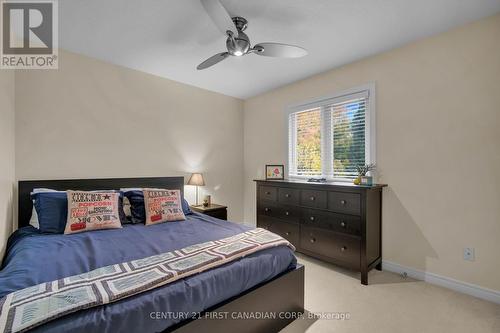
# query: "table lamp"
{"type": "Point", "coordinates": [196, 179]}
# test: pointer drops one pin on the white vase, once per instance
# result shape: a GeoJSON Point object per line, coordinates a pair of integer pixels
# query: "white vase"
{"type": "Point", "coordinates": [367, 180]}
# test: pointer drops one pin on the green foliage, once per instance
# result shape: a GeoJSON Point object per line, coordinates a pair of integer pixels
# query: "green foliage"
{"type": "Point", "coordinates": [363, 169]}
{"type": "Point", "coordinates": [348, 127]}
{"type": "Point", "coordinates": [309, 142]}
{"type": "Point", "coordinates": [349, 141]}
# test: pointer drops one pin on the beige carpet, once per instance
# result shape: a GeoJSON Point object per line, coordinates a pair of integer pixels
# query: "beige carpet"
{"type": "Point", "coordinates": [389, 304]}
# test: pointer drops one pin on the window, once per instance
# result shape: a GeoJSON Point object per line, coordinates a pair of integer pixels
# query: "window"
{"type": "Point", "coordinates": [330, 137]}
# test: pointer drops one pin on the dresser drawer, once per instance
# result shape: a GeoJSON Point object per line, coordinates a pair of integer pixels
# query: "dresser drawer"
{"type": "Point", "coordinates": [326, 243]}
{"type": "Point", "coordinates": [313, 198]}
{"type": "Point", "coordinates": [263, 222]}
{"type": "Point", "coordinates": [286, 230]}
{"type": "Point", "coordinates": [288, 196]}
{"type": "Point", "coordinates": [268, 193]}
{"type": "Point", "coordinates": [266, 208]}
{"type": "Point", "coordinates": [341, 202]}
{"type": "Point", "coordinates": [289, 231]}
{"type": "Point", "coordinates": [289, 213]}
{"type": "Point", "coordinates": [337, 222]}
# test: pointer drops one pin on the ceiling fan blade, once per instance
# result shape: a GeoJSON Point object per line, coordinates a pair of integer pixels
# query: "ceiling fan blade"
{"type": "Point", "coordinates": [219, 16]}
{"type": "Point", "coordinates": [213, 60]}
{"type": "Point", "coordinates": [279, 50]}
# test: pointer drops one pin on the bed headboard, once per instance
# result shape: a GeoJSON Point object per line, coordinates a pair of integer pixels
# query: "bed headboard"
{"type": "Point", "coordinates": [25, 187]}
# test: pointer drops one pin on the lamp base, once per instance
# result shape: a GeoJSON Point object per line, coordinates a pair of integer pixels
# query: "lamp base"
{"type": "Point", "coordinates": [196, 195]}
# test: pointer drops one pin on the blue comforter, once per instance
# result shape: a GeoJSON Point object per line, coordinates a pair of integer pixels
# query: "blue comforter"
{"type": "Point", "coordinates": [33, 258]}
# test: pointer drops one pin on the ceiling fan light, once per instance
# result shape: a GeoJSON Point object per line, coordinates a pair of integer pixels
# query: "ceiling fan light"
{"type": "Point", "coordinates": [238, 53]}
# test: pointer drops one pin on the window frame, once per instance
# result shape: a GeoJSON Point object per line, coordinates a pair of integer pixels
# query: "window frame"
{"type": "Point", "coordinates": [370, 128]}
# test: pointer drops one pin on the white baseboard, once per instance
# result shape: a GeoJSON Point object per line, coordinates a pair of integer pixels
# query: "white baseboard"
{"type": "Point", "coordinates": [443, 281]}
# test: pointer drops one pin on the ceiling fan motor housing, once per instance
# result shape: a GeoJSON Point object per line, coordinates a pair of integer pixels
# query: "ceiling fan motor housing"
{"type": "Point", "coordinates": [240, 45]}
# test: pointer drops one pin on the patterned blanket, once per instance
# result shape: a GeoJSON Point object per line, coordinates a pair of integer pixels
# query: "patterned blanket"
{"type": "Point", "coordinates": [30, 307]}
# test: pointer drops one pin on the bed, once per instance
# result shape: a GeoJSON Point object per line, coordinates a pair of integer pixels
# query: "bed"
{"type": "Point", "coordinates": [265, 282]}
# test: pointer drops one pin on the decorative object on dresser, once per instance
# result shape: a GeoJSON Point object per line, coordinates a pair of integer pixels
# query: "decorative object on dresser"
{"type": "Point", "coordinates": [363, 170]}
{"type": "Point", "coordinates": [275, 171]}
{"type": "Point", "coordinates": [335, 221]}
{"type": "Point", "coordinates": [214, 210]}
{"type": "Point", "coordinates": [197, 180]}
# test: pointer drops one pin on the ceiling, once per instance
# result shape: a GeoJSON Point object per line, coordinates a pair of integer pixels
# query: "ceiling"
{"type": "Point", "coordinates": [169, 38]}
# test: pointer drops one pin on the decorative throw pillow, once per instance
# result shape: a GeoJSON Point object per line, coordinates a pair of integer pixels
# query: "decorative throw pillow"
{"type": "Point", "coordinates": [135, 197]}
{"type": "Point", "coordinates": [92, 211]}
{"type": "Point", "coordinates": [163, 206]}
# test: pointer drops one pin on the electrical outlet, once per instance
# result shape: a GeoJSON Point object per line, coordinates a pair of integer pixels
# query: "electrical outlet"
{"type": "Point", "coordinates": [469, 253]}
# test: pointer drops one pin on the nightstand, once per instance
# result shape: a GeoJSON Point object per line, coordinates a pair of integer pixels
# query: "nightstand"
{"type": "Point", "coordinates": [217, 211]}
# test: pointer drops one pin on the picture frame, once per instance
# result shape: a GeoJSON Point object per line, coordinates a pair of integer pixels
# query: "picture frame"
{"type": "Point", "coordinates": [275, 172]}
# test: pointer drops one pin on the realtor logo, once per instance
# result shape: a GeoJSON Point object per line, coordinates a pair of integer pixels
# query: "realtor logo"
{"type": "Point", "coordinates": [29, 34]}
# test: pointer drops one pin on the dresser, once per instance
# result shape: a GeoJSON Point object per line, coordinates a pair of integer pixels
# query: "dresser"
{"type": "Point", "coordinates": [340, 223]}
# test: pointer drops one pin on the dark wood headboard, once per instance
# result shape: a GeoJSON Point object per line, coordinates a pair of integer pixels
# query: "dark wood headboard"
{"type": "Point", "coordinates": [25, 187]}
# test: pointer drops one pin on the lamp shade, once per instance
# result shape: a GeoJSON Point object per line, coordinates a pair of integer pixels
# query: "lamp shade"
{"type": "Point", "coordinates": [196, 179]}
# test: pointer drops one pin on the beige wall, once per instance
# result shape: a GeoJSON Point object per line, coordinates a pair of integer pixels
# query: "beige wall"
{"type": "Point", "coordinates": [91, 119]}
{"type": "Point", "coordinates": [438, 147]}
{"type": "Point", "coordinates": [7, 172]}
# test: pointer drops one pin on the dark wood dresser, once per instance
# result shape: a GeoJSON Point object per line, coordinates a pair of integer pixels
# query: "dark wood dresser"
{"type": "Point", "coordinates": [337, 222]}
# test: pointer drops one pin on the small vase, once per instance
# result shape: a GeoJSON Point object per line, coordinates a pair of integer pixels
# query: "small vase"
{"type": "Point", "coordinates": [367, 180]}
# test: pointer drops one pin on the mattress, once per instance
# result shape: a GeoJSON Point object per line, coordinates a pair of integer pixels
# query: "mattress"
{"type": "Point", "coordinates": [33, 258]}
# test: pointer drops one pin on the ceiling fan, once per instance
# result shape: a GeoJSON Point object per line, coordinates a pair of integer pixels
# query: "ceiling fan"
{"type": "Point", "coordinates": [238, 43]}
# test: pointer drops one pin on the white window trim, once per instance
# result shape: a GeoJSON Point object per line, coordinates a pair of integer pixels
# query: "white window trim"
{"type": "Point", "coordinates": [370, 129]}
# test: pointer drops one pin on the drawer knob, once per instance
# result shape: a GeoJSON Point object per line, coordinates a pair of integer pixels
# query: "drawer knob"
{"type": "Point", "coordinates": [267, 209]}
{"type": "Point", "coordinates": [287, 195]}
{"type": "Point", "coordinates": [312, 240]}
{"type": "Point", "coordinates": [311, 218]}
{"type": "Point", "coordinates": [343, 202]}
{"type": "Point", "coordinates": [288, 233]}
{"type": "Point", "coordinates": [268, 193]}
{"type": "Point", "coordinates": [343, 249]}
{"type": "Point", "coordinates": [287, 213]}
{"type": "Point", "coordinates": [312, 198]}
{"type": "Point", "coordinates": [342, 224]}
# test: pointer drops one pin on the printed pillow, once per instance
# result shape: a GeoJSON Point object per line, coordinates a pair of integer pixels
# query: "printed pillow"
{"type": "Point", "coordinates": [163, 206]}
{"type": "Point", "coordinates": [92, 211]}
{"type": "Point", "coordinates": [135, 197]}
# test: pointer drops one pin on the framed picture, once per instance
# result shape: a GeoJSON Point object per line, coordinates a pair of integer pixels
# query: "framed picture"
{"type": "Point", "coordinates": [275, 172]}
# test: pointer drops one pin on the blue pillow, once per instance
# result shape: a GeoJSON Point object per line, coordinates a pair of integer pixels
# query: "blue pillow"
{"type": "Point", "coordinates": [52, 211]}
{"type": "Point", "coordinates": [185, 207]}
{"type": "Point", "coordinates": [137, 208]}
{"type": "Point", "coordinates": [124, 219]}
